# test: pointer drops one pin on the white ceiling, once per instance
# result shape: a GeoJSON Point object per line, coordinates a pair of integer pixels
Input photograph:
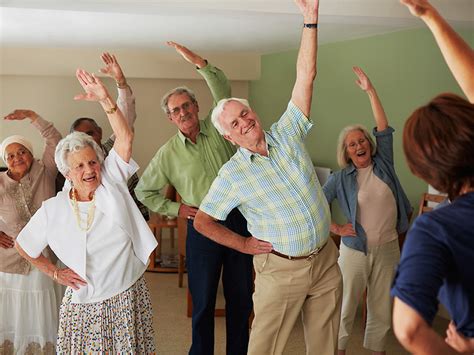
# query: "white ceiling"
{"type": "Point", "coordinates": [260, 26]}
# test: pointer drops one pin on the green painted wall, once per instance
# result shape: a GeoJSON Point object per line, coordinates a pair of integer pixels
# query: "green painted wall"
{"type": "Point", "coordinates": [406, 68]}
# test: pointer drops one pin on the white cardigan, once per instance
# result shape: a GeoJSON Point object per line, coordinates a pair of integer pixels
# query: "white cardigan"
{"type": "Point", "coordinates": [54, 224]}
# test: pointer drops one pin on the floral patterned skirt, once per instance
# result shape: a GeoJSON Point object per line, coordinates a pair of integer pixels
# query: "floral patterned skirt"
{"type": "Point", "coordinates": [120, 324]}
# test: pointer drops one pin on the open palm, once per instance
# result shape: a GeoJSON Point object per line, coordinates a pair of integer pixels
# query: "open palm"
{"type": "Point", "coordinates": [92, 85]}
{"type": "Point", "coordinates": [363, 80]}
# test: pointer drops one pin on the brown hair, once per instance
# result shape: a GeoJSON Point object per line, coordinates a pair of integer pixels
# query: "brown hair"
{"type": "Point", "coordinates": [438, 141]}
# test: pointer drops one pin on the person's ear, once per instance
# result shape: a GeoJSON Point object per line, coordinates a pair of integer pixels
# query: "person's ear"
{"type": "Point", "coordinates": [227, 137]}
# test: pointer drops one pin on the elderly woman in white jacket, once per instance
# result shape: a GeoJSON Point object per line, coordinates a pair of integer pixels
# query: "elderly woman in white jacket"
{"type": "Point", "coordinates": [97, 231]}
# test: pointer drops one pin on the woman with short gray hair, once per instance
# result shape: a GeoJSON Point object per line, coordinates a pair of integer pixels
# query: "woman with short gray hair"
{"type": "Point", "coordinates": [377, 210]}
{"type": "Point", "coordinates": [72, 143]}
{"type": "Point", "coordinates": [98, 232]}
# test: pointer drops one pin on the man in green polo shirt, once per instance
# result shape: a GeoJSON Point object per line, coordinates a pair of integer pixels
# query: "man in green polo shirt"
{"type": "Point", "coordinates": [190, 161]}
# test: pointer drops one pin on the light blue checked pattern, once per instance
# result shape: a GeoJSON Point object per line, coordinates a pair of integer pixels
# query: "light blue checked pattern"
{"type": "Point", "coordinates": [279, 195]}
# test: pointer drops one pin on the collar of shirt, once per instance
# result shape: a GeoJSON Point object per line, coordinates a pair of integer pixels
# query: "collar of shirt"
{"type": "Point", "coordinates": [350, 169]}
{"type": "Point", "coordinates": [202, 129]}
{"type": "Point", "coordinates": [249, 155]}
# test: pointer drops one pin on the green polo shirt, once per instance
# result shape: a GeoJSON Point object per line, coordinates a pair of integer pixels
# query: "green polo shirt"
{"type": "Point", "coordinates": [190, 168]}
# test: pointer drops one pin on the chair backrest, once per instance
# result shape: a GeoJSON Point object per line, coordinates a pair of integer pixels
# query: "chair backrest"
{"type": "Point", "coordinates": [429, 201]}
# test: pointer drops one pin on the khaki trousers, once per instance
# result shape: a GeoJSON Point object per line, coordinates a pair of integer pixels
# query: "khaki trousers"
{"type": "Point", "coordinates": [374, 271]}
{"type": "Point", "coordinates": [285, 289]}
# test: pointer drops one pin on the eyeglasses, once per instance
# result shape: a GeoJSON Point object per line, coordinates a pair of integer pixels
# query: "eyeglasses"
{"type": "Point", "coordinates": [19, 154]}
{"type": "Point", "coordinates": [177, 110]}
{"type": "Point", "coordinates": [353, 145]}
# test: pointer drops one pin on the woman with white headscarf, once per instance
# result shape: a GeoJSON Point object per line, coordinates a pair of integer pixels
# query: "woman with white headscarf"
{"type": "Point", "coordinates": [29, 303]}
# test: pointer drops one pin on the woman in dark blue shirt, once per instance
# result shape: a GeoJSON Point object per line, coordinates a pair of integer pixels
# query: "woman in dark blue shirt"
{"type": "Point", "coordinates": [437, 259]}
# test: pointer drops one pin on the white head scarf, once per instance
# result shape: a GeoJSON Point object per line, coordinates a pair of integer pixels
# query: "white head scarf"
{"type": "Point", "coordinates": [14, 139]}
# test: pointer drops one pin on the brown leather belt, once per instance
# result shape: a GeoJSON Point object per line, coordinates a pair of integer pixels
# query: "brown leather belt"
{"type": "Point", "coordinates": [310, 256]}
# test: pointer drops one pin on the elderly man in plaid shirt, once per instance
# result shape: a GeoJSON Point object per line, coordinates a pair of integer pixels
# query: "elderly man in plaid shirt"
{"type": "Point", "coordinates": [271, 180]}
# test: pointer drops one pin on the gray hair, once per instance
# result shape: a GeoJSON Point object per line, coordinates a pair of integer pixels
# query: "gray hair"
{"type": "Point", "coordinates": [342, 156]}
{"type": "Point", "coordinates": [72, 143]}
{"type": "Point", "coordinates": [219, 109]}
{"type": "Point", "coordinates": [176, 91]}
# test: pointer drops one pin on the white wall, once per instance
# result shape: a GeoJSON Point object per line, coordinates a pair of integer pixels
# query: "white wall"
{"type": "Point", "coordinates": [52, 95]}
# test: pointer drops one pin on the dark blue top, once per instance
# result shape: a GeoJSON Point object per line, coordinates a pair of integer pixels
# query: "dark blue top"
{"type": "Point", "coordinates": [438, 262]}
{"type": "Point", "coordinates": [343, 185]}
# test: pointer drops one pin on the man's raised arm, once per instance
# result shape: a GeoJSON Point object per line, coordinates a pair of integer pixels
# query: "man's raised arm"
{"type": "Point", "coordinates": [306, 62]}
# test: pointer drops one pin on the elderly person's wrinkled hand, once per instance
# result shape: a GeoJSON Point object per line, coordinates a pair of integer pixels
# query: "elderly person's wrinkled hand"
{"type": "Point", "coordinates": [92, 85]}
{"type": "Point", "coordinates": [6, 242]}
{"type": "Point", "coordinates": [187, 212]}
{"type": "Point", "coordinates": [21, 114]}
{"type": "Point", "coordinates": [112, 68]}
{"type": "Point", "coordinates": [67, 277]}
{"type": "Point", "coordinates": [188, 55]}
{"type": "Point", "coordinates": [256, 246]}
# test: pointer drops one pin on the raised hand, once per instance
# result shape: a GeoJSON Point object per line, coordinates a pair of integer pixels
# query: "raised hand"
{"type": "Point", "coordinates": [21, 115]}
{"type": "Point", "coordinates": [67, 277]}
{"type": "Point", "coordinates": [256, 246]}
{"type": "Point", "coordinates": [309, 9]}
{"type": "Point", "coordinates": [363, 80]}
{"type": "Point", "coordinates": [92, 85]}
{"type": "Point", "coordinates": [417, 7]}
{"type": "Point", "coordinates": [188, 55]}
{"type": "Point", "coordinates": [112, 68]}
{"type": "Point", "coordinates": [6, 242]}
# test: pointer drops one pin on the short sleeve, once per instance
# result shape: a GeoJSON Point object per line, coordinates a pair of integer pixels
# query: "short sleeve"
{"type": "Point", "coordinates": [329, 188]}
{"type": "Point", "coordinates": [422, 268]}
{"type": "Point", "coordinates": [118, 169]}
{"type": "Point", "coordinates": [32, 238]}
{"type": "Point", "coordinates": [292, 124]}
{"type": "Point", "coordinates": [220, 200]}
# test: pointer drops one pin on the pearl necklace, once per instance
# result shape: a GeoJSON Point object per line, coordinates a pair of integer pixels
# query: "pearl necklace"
{"type": "Point", "coordinates": [90, 212]}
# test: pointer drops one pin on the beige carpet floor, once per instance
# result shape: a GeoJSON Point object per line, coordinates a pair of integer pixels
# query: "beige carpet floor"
{"type": "Point", "coordinates": [173, 327]}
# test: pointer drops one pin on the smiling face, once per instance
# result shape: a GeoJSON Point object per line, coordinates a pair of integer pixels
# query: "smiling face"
{"type": "Point", "coordinates": [358, 149]}
{"type": "Point", "coordinates": [19, 160]}
{"type": "Point", "coordinates": [84, 172]}
{"type": "Point", "coordinates": [183, 112]}
{"type": "Point", "coordinates": [242, 125]}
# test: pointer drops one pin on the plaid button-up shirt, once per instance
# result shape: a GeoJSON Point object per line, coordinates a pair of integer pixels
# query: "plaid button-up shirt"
{"type": "Point", "coordinates": [279, 195]}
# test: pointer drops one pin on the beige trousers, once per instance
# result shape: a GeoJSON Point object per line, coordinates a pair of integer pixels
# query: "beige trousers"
{"type": "Point", "coordinates": [374, 271]}
{"type": "Point", "coordinates": [286, 289]}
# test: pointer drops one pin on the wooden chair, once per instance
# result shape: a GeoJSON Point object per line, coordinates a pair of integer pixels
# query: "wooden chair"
{"type": "Point", "coordinates": [429, 201]}
{"type": "Point", "coordinates": [157, 224]}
